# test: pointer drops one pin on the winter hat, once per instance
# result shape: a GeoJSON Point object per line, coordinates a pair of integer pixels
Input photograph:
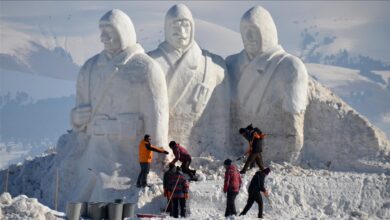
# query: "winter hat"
{"type": "Point", "coordinates": [122, 24]}
{"type": "Point", "coordinates": [249, 127]}
{"type": "Point", "coordinates": [227, 162]}
{"type": "Point", "coordinates": [242, 130]}
{"type": "Point", "coordinates": [171, 166]}
{"type": "Point", "coordinates": [266, 171]}
{"type": "Point", "coordinates": [172, 144]}
{"type": "Point", "coordinates": [146, 137]}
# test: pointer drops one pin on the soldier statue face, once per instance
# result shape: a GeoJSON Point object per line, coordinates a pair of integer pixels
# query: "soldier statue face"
{"type": "Point", "coordinates": [179, 33]}
{"type": "Point", "coordinates": [110, 38]}
{"type": "Point", "coordinates": [252, 40]}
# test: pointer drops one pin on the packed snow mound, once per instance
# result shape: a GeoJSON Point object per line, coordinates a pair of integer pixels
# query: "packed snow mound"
{"type": "Point", "coordinates": [360, 92]}
{"type": "Point", "coordinates": [24, 208]}
{"type": "Point", "coordinates": [337, 136]}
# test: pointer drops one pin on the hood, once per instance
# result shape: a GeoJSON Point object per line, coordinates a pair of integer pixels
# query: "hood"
{"type": "Point", "coordinates": [179, 12]}
{"type": "Point", "coordinates": [261, 19]}
{"type": "Point", "coordinates": [122, 24]}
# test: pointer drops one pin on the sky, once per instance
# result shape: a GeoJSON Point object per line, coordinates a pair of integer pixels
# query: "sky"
{"type": "Point", "coordinates": [361, 25]}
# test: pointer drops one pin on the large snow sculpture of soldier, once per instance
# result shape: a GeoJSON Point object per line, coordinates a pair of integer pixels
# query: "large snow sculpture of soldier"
{"type": "Point", "coordinates": [121, 95]}
{"type": "Point", "coordinates": [269, 87]}
{"type": "Point", "coordinates": [198, 90]}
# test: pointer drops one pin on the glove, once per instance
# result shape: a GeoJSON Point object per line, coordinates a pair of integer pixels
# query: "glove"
{"type": "Point", "coordinates": [186, 196]}
{"type": "Point", "coordinates": [266, 193]}
{"type": "Point", "coordinates": [166, 152]}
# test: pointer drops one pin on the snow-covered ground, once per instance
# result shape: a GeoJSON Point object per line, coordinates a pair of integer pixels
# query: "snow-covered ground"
{"type": "Point", "coordinates": [296, 193]}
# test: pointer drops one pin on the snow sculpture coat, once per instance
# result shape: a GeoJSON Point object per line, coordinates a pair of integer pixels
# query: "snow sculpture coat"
{"type": "Point", "coordinates": [198, 91]}
{"type": "Point", "coordinates": [127, 96]}
{"type": "Point", "coordinates": [270, 89]}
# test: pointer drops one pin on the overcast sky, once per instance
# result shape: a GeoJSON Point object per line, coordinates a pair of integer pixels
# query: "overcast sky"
{"type": "Point", "coordinates": [365, 24]}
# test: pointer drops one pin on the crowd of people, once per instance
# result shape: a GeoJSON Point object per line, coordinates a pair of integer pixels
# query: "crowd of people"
{"type": "Point", "coordinates": [176, 183]}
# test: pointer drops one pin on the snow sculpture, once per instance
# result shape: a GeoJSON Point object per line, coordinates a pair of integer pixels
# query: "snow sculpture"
{"type": "Point", "coordinates": [197, 87]}
{"type": "Point", "coordinates": [269, 87]}
{"type": "Point", "coordinates": [121, 95]}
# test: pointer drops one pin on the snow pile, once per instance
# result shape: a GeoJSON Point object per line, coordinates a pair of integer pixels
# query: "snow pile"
{"type": "Point", "coordinates": [24, 208]}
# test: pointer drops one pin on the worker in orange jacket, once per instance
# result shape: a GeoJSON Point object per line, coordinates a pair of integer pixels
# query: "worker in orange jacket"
{"type": "Point", "coordinates": [145, 158]}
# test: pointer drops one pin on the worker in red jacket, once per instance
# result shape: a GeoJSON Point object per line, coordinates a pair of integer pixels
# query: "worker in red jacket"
{"type": "Point", "coordinates": [182, 155]}
{"type": "Point", "coordinates": [231, 187]}
{"type": "Point", "coordinates": [179, 188]}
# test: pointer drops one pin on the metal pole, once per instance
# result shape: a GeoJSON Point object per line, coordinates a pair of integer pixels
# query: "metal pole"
{"type": "Point", "coordinates": [56, 191]}
{"type": "Point", "coordinates": [6, 180]}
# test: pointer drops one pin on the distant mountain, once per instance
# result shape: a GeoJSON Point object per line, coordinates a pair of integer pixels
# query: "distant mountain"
{"type": "Point", "coordinates": [316, 48]}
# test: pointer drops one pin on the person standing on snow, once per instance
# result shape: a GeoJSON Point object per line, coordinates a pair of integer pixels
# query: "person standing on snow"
{"type": "Point", "coordinates": [231, 186]}
{"type": "Point", "coordinates": [255, 138]}
{"type": "Point", "coordinates": [255, 187]}
{"type": "Point", "coordinates": [182, 155]}
{"type": "Point", "coordinates": [145, 158]}
{"type": "Point", "coordinates": [179, 187]}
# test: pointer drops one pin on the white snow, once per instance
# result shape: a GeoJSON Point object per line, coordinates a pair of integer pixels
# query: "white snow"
{"type": "Point", "coordinates": [24, 208]}
{"type": "Point", "coordinates": [296, 193]}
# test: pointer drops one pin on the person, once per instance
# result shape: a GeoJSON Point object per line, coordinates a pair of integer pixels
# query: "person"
{"type": "Point", "coordinates": [232, 185]}
{"type": "Point", "coordinates": [270, 86]}
{"type": "Point", "coordinates": [145, 158]}
{"type": "Point", "coordinates": [167, 193]}
{"type": "Point", "coordinates": [255, 139]}
{"type": "Point", "coordinates": [255, 187]}
{"type": "Point", "coordinates": [198, 89]}
{"type": "Point", "coordinates": [182, 155]}
{"type": "Point", "coordinates": [179, 187]}
{"type": "Point", "coordinates": [120, 94]}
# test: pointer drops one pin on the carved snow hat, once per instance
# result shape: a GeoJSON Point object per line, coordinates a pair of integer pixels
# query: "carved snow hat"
{"type": "Point", "coordinates": [262, 20]}
{"type": "Point", "coordinates": [179, 12]}
{"type": "Point", "coordinates": [122, 24]}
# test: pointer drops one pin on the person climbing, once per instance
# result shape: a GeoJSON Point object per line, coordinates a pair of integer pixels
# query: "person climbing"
{"type": "Point", "coordinates": [167, 193]}
{"type": "Point", "coordinates": [255, 187]}
{"type": "Point", "coordinates": [182, 155]}
{"type": "Point", "coordinates": [255, 137]}
{"type": "Point", "coordinates": [179, 187]}
{"type": "Point", "coordinates": [145, 158]}
{"type": "Point", "coordinates": [231, 186]}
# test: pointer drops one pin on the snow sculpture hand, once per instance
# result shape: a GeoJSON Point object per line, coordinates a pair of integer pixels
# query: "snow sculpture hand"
{"type": "Point", "coordinates": [81, 116]}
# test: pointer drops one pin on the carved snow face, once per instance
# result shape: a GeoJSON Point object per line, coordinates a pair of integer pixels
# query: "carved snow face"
{"type": "Point", "coordinates": [110, 38]}
{"type": "Point", "coordinates": [252, 40]}
{"type": "Point", "coordinates": [179, 35]}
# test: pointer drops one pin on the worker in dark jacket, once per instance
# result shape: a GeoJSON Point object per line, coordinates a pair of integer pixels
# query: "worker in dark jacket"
{"type": "Point", "coordinates": [255, 138]}
{"type": "Point", "coordinates": [145, 158]}
{"type": "Point", "coordinates": [231, 186]}
{"type": "Point", "coordinates": [182, 155]}
{"type": "Point", "coordinates": [167, 193]}
{"type": "Point", "coordinates": [255, 187]}
{"type": "Point", "coordinates": [179, 187]}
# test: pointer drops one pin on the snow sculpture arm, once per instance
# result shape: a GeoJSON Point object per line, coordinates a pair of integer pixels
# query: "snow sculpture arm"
{"type": "Point", "coordinates": [220, 111]}
{"type": "Point", "coordinates": [154, 104]}
{"type": "Point", "coordinates": [296, 84]}
{"type": "Point", "coordinates": [80, 115]}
